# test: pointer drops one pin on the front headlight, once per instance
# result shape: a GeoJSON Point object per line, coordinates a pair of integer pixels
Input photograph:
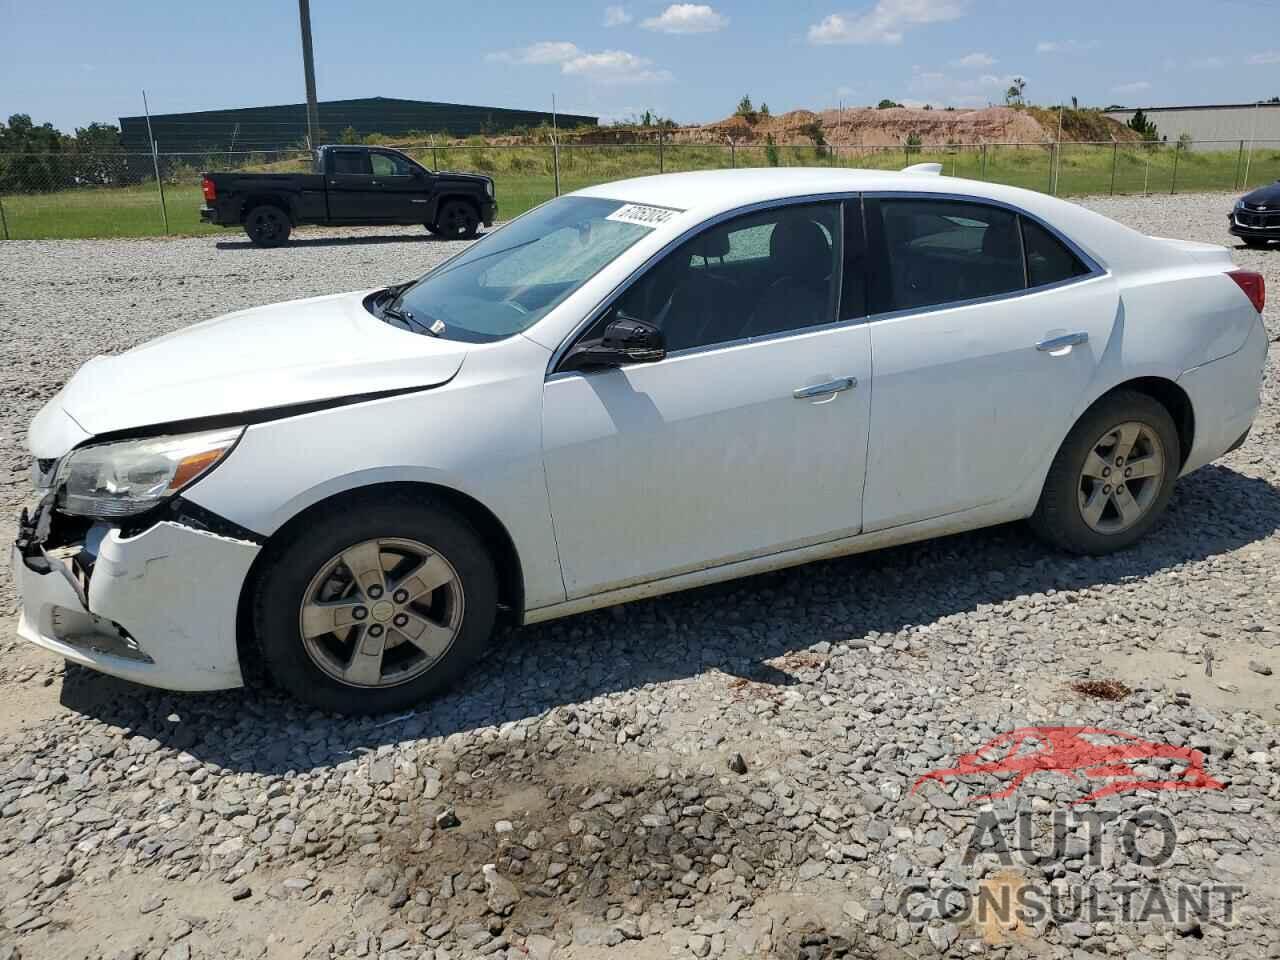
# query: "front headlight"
{"type": "Point", "coordinates": [132, 476]}
{"type": "Point", "coordinates": [488, 187]}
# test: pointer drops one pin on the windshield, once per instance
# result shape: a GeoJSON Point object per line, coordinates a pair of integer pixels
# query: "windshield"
{"type": "Point", "coordinates": [511, 279]}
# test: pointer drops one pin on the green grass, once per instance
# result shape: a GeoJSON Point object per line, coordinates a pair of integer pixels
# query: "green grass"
{"type": "Point", "coordinates": [524, 177]}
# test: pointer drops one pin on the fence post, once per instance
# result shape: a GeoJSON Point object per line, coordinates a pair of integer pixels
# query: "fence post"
{"type": "Point", "coordinates": [3, 222]}
{"type": "Point", "coordinates": [1053, 153]}
{"type": "Point", "coordinates": [983, 175]}
{"type": "Point", "coordinates": [555, 162]}
{"type": "Point", "coordinates": [1235, 178]}
{"type": "Point", "coordinates": [662, 136]}
{"type": "Point", "coordinates": [733, 155]}
{"type": "Point", "coordinates": [1173, 184]}
{"type": "Point", "coordinates": [435, 160]}
{"type": "Point", "coordinates": [1115, 159]}
{"type": "Point", "coordinates": [155, 163]}
{"type": "Point", "coordinates": [1146, 178]}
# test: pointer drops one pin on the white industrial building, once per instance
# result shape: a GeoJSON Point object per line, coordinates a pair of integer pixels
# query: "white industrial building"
{"type": "Point", "coordinates": [1229, 122]}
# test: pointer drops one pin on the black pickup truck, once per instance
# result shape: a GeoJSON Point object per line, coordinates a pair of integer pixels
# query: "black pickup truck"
{"type": "Point", "coordinates": [349, 186]}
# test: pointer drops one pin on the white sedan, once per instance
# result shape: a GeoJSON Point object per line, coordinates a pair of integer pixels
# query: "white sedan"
{"type": "Point", "coordinates": [634, 389]}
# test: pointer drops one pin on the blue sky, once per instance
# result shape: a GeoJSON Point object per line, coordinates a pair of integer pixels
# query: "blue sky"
{"type": "Point", "coordinates": [73, 61]}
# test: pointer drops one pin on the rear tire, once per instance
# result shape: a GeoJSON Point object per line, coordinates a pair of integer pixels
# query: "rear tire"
{"type": "Point", "coordinates": [457, 220]}
{"type": "Point", "coordinates": [376, 605]}
{"type": "Point", "coordinates": [267, 226]}
{"type": "Point", "coordinates": [1255, 243]}
{"type": "Point", "coordinates": [1112, 477]}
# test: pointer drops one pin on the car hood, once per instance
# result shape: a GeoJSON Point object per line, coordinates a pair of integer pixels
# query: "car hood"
{"type": "Point", "coordinates": [1268, 196]}
{"type": "Point", "coordinates": [289, 353]}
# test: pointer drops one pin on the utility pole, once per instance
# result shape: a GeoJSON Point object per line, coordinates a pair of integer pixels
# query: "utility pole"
{"type": "Point", "coordinates": [309, 68]}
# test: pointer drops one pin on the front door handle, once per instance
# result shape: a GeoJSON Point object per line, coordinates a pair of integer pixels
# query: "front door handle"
{"type": "Point", "coordinates": [822, 389]}
{"type": "Point", "coordinates": [1063, 344]}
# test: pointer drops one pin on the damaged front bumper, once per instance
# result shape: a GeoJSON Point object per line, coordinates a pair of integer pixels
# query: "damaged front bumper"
{"type": "Point", "coordinates": [157, 607]}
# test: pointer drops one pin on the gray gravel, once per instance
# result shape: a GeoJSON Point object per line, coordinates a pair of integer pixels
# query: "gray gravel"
{"type": "Point", "coordinates": [722, 773]}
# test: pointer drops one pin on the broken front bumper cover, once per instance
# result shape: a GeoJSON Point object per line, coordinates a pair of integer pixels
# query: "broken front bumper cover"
{"type": "Point", "coordinates": [158, 607]}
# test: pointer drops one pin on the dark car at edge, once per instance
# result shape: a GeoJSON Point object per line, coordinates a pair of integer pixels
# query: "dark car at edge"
{"type": "Point", "coordinates": [1256, 217]}
{"type": "Point", "coordinates": [349, 186]}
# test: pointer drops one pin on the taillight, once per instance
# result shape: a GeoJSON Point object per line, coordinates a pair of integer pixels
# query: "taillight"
{"type": "Point", "coordinates": [1253, 285]}
{"type": "Point", "coordinates": [210, 191]}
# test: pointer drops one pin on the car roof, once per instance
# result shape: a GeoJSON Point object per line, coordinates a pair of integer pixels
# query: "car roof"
{"type": "Point", "coordinates": [707, 193]}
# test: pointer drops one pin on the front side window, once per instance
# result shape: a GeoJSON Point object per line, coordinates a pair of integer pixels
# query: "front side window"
{"type": "Point", "coordinates": [941, 251]}
{"type": "Point", "coordinates": [512, 278]}
{"type": "Point", "coordinates": [389, 165]}
{"type": "Point", "coordinates": [756, 275]}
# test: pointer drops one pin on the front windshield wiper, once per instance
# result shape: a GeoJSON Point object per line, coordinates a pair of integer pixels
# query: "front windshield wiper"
{"type": "Point", "coordinates": [393, 310]}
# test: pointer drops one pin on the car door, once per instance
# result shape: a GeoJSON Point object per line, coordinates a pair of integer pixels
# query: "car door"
{"type": "Point", "coordinates": [402, 188]}
{"type": "Point", "coordinates": [748, 438]}
{"type": "Point", "coordinates": [986, 329]}
{"type": "Point", "coordinates": [353, 191]}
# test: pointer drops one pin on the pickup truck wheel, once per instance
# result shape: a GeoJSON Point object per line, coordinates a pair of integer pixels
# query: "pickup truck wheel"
{"type": "Point", "coordinates": [267, 226]}
{"type": "Point", "coordinates": [433, 229]}
{"type": "Point", "coordinates": [1257, 243]}
{"type": "Point", "coordinates": [458, 220]}
{"type": "Point", "coordinates": [377, 605]}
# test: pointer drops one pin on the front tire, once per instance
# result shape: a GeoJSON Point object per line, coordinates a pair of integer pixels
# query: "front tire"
{"type": "Point", "coordinates": [376, 606]}
{"type": "Point", "coordinates": [1255, 243]}
{"type": "Point", "coordinates": [457, 220]}
{"type": "Point", "coordinates": [1112, 477]}
{"type": "Point", "coordinates": [267, 225]}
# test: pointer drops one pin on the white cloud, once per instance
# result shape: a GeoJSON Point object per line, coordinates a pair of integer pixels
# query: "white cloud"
{"type": "Point", "coordinates": [1209, 63]}
{"type": "Point", "coordinates": [974, 60]}
{"type": "Point", "coordinates": [614, 66]}
{"type": "Point", "coordinates": [1064, 46]}
{"type": "Point", "coordinates": [886, 22]}
{"type": "Point", "coordinates": [550, 51]}
{"type": "Point", "coordinates": [616, 17]}
{"type": "Point", "coordinates": [1266, 58]}
{"type": "Point", "coordinates": [1138, 86]}
{"type": "Point", "coordinates": [687, 18]}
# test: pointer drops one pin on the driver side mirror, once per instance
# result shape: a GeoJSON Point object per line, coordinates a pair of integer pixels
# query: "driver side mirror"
{"type": "Point", "coordinates": [626, 340]}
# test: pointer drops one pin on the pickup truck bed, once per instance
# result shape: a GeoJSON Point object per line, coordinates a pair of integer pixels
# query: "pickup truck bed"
{"type": "Point", "coordinates": [356, 186]}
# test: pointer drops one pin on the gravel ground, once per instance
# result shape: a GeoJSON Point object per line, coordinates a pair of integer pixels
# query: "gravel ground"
{"type": "Point", "coordinates": [726, 772]}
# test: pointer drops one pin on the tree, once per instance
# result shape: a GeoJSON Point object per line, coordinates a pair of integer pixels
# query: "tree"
{"type": "Point", "coordinates": [887, 104]}
{"type": "Point", "coordinates": [770, 150]}
{"type": "Point", "coordinates": [745, 109]}
{"type": "Point", "coordinates": [1016, 89]}
{"type": "Point", "coordinates": [764, 110]}
{"type": "Point", "coordinates": [1143, 126]}
{"type": "Point", "coordinates": [913, 143]}
{"type": "Point", "coordinates": [647, 120]}
{"type": "Point", "coordinates": [349, 135]}
{"type": "Point", "coordinates": [814, 131]}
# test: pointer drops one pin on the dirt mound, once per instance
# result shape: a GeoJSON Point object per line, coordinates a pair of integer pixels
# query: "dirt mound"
{"type": "Point", "coordinates": [867, 126]}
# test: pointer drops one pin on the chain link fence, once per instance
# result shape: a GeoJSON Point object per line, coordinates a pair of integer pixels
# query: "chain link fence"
{"type": "Point", "coordinates": [119, 194]}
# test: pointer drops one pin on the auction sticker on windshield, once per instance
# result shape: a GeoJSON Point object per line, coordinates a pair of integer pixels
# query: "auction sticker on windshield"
{"type": "Point", "coordinates": [643, 215]}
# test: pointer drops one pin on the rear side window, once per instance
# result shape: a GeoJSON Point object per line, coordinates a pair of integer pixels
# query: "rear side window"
{"type": "Point", "coordinates": [351, 162]}
{"type": "Point", "coordinates": [941, 251]}
{"type": "Point", "coordinates": [1048, 259]}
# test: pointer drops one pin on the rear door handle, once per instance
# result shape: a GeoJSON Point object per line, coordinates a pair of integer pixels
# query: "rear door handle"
{"type": "Point", "coordinates": [822, 389]}
{"type": "Point", "coordinates": [1063, 343]}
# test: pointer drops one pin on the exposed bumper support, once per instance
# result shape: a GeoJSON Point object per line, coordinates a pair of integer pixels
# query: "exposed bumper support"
{"type": "Point", "coordinates": [159, 609]}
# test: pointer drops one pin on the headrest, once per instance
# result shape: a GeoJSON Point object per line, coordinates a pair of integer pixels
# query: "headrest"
{"type": "Point", "coordinates": [715, 243]}
{"type": "Point", "coordinates": [1000, 243]}
{"type": "Point", "coordinates": [799, 248]}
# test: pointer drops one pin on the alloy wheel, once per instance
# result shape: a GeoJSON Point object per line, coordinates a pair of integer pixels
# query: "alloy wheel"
{"type": "Point", "coordinates": [381, 612]}
{"type": "Point", "coordinates": [1121, 477]}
